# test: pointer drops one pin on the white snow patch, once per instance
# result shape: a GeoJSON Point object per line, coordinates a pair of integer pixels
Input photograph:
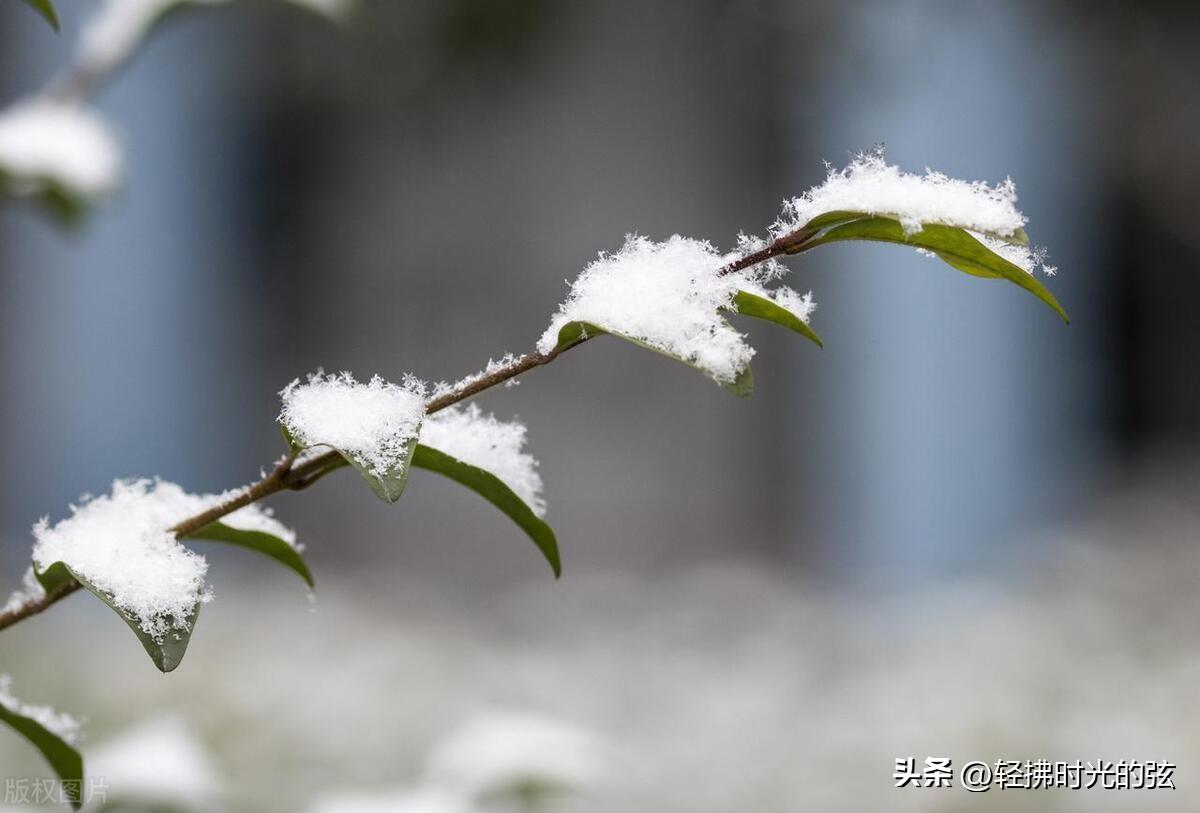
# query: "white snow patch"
{"type": "Point", "coordinates": [372, 422]}
{"type": "Point", "coordinates": [869, 184]}
{"type": "Point", "coordinates": [442, 388]}
{"type": "Point", "coordinates": [63, 725]}
{"type": "Point", "coordinates": [160, 763]}
{"type": "Point", "coordinates": [503, 751]}
{"type": "Point", "coordinates": [30, 591]}
{"type": "Point", "coordinates": [45, 142]}
{"type": "Point", "coordinates": [490, 444]}
{"type": "Point", "coordinates": [122, 544]}
{"type": "Point", "coordinates": [667, 295]}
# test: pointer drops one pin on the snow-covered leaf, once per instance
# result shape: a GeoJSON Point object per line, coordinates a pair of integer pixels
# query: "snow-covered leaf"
{"type": "Point", "coordinates": [956, 246]}
{"type": "Point", "coordinates": [495, 491]}
{"type": "Point", "coordinates": [46, 9]}
{"type": "Point", "coordinates": [574, 332]}
{"type": "Point", "coordinates": [372, 426]}
{"type": "Point", "coordinates": [50, 732]}
{"type": "Point", "coordinates": [165, 651]}
{"type": "Point", "coordinates": [265, 543]}
{"type": "Point", "coordinates": [760, 307]}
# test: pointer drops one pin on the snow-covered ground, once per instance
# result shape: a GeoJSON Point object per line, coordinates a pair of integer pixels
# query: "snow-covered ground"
{"type": "Point", "coordinates": [719, 687]}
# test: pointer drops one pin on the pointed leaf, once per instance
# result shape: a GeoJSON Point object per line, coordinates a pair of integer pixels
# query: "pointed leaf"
{"type": "Point", "coordinates": [572, 333]}
{"type": "Point", "coordinates": [166, 654]}
{"type": "Point", "coordinates": [957, 247]}
{"type": "Point", "coordinates": [64, 759]}
{"type": "Point", "coordinates": [261, 541]}
{"type": "Point", "coordinates": [388, 486]}
{"type": "Point", "coordinates": [46, 9]}
{"type": "Point", "coordinates": [494, 490]}
{"type": "Point", "coordinates": [760, 307]}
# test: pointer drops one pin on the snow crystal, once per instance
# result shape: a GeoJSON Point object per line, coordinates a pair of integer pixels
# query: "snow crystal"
{"type": "Point", "coordinates": [372, 423]}
{"type": "Point", "coordinates": [492, 445]}
{"type": "Point", "coordinates": [158, 763]}
{"type": "Point", "coordinates": [1027, 258]}
{"type": "Point", "coordinates": [122, 544]}
{"type": "Point", "coordinates": [667, 295]}
{"type": "Point", "coordinates": [442, 388]}
{"type": "Point", "coordinates": [112, 34]}
{"type": "Point", "coordinates": [869, 184]}
{"type": "Point", "coordinates": [58, 143]}
{"type": "Point", "coordinates": [63, 725]}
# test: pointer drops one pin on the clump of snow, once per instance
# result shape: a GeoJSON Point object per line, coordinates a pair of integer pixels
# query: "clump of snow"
{"type": "Point", "coordinates": [871, 185]}
{"type": "Point", "coordinates": [122, 544]}
{"type": "Point", "coordinates": [119, 26]}
{"type": "Point", "coordinates": [503, 751]}
{"type": "Point", "coordinates": [46, 142]}
{"type": "Point", "coordinates": [30, 591]}
{"type": "Point", "coordinates": [373, 423]}
{"type": "Point", "coordinates": [668, 295]}
{"type": "Point", "coordinates": [490, 444]}
{"type": "Point", "coordinates": [62, 725]}
{"type": "Point", "coordinates": [159, 763]}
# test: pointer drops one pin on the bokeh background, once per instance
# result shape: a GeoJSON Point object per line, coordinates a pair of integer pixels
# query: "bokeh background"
{"type": "Point", "coordinates": [963, 529]}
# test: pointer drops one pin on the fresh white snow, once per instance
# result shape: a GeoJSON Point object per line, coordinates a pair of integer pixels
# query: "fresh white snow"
{"type": "Point", "coordinates": [667, 295]}
{"type": "Point", "coordinates": [372, 422]}
{"type": "Point", "coordinates": [30, 591]}
{"type": "Point", "coordinates": [121, 544]}
{"type": "Point", "coordinates": [490, 444]}
{"type": "Point", "coordinates": [63, 725]}
{"type": "Point", "coordinates": [46, 142]}
{"type": "Point", "coordinates": [159, 763]}
{"type": "Point", "coordinates": [869, 184]}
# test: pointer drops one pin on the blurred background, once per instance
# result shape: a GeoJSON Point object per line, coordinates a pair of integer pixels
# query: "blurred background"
{"type": "Point", "coordinates": [962, 529]}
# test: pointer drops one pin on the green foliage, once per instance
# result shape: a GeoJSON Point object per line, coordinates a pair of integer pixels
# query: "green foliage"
{"type": "Point", "coordinates": [64, 760]}
{"type": "Point", "coordinates": [493, 489]}
{"type": "Point", "coordinates": [46, 9]}
{"type": "Point", "coordinates": [261, 541]}
{"type": "Point", "coordinates": [759, 307]}
{"type": "Point", "coordinates": [166, 654]}
{"type": "Point", "coordinates": [953, 245]}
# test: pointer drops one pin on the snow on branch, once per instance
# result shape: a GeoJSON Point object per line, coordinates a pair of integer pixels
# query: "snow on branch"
{"type": "Point", "coordinates": [121, 543]}
{"type": "Point", "coordinates": [373, 423]}
{"type": "Point", "coordinates": [490, 444]}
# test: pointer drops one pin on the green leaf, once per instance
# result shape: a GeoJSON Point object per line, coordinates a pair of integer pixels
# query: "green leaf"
{"type": "Point", "coordinates": [63, 759]}
{"type": "Point", "coordinates": [953, 245]}
{"type": "Point", "coordinates": [46, 9]}
{"type": "Point", "coordinates": [389, 486]}
{"type": "Point", "coordinates": [166, 654]}
{"type": "Point", "coordinates": [760, 307]}
{"type": "Point", "coordinates": [261, 541]}
{"type": "Point", "coordinates": [493, 489]}
{"type": "Point", "coordinates": [572, 333]}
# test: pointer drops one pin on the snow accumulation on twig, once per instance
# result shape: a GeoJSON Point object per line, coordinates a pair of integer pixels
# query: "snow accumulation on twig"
{"type": "Point", "coordinates": [493, 445]}
{"type": "Point", "coordinates": [58, 723]}
{"type": "Point", "coordinates": [374, 423]}
{"type": "Point", "coordinates": [121, 543]}
{"type": "Point", "coordinates": [46, 143]}
{"type": "Point", "coordinates": [872, 186]}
